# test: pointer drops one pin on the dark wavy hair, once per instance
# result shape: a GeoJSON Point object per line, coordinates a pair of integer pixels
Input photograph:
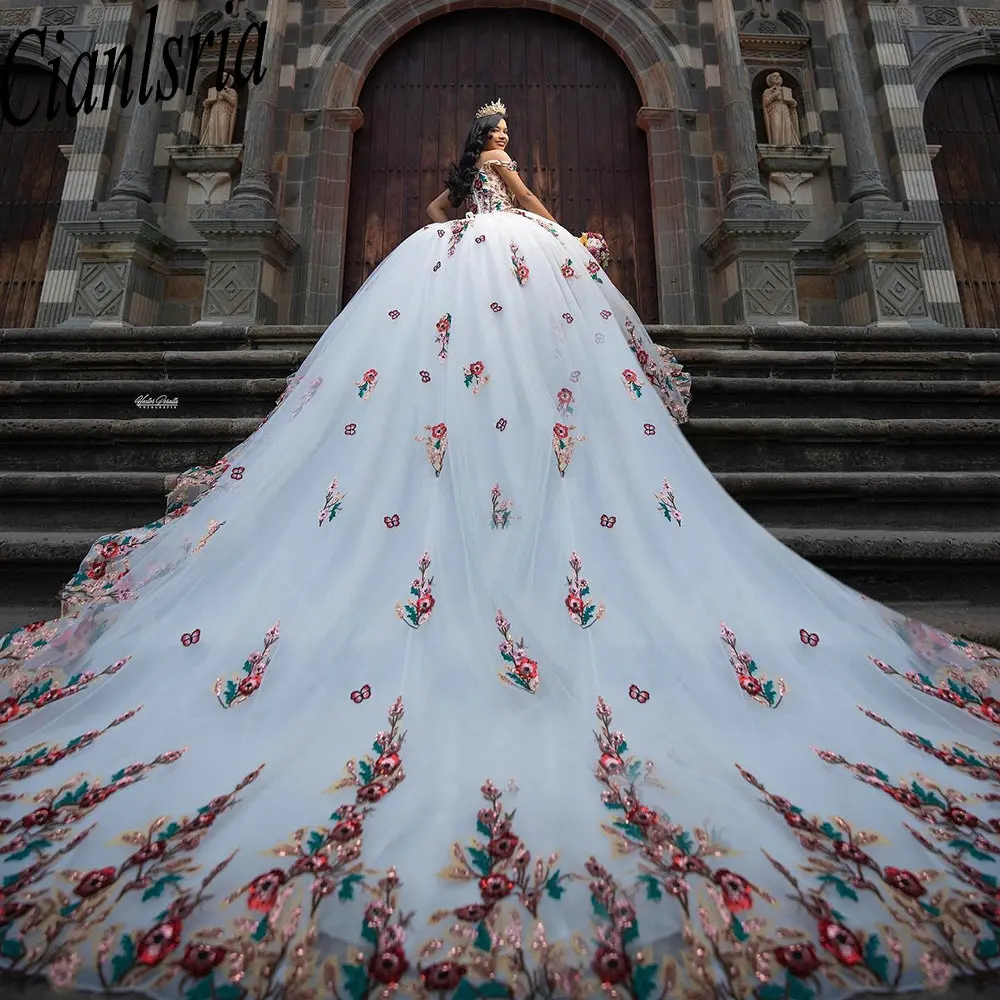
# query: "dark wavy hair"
{"type": "Point", "coordinates": [461, 175]}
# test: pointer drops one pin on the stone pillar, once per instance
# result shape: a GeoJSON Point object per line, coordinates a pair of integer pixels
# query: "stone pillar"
{"type": "Point", "coordinates": [328, 178]}
{"type": "Point", "coordinates": [878, 249]}
{"type": "Point", "coordinates": [674, 198]}
{"type": "Point", "coordinates": [246, 246]}
{"type": "Point", "coordinates": [88, 165]}
{"type": "Point", "coordinates": [752, 247]}
{"type": "Point", "coordinates": [122, 250]}
{"type": "Point", "coordinates": [863, 174]}
{"type": "Point", "coordinates": [909, 158]}
{"type": "Point", "coordinates": [741, 138]}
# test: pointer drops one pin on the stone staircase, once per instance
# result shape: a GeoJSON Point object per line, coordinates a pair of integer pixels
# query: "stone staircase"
{"type": "Point", "coordinates": [874, 454]}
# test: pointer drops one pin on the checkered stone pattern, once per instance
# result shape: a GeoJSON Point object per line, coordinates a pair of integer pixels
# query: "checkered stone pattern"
{"type": "Point", "coordinates": [93, 143]}
{"type": "Point", "coordinates": [901, 117]}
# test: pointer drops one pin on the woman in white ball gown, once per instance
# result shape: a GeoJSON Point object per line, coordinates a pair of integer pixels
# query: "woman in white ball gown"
{"type": "Point", "coordinates": [462, 676]}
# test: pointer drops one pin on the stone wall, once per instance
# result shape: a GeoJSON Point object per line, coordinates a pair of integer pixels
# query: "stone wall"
{"type": "Point", "coordinates": [135, 244]}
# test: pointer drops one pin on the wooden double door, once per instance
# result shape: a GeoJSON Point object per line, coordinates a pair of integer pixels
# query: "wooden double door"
{"type": "Point", "coordinates": [962, 115]}
{"type": "Point", "coordinates": [572, 106]}
{"type": "Point", "coordinates": [32, 173]}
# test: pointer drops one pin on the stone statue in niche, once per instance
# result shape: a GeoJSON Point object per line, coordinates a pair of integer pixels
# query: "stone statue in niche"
{"type": "Point", "coordinates": [218, 116]}
{"type": "Point", "coordinates": [780, 118]}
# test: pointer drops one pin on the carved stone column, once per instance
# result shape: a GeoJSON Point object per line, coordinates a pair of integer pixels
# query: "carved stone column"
{"type": "Point", "coordinates": [878, 252]}
{"type": "Point", "coordinates": [246, 246]}
{"type": "Point", "coordinates": [863, 174]}
{"type": "Point", "coordinates": [909, 155]}
{"type": "Point", "coordinates": [121, 248]}
{"type": "Point", "coordinates": [752, 247]}
{"type": "Point", "coordinates": [741, 140]}
{"type": "Point", "coordinates": [674, 198]}
{"type": "Point", "coordinates": [113, 25]}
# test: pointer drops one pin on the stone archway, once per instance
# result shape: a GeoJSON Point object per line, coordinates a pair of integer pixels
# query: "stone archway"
{"type": "Point", "coordinates": [653, 58]}
{"type": "Point", "coordinates": [962, 117]}
{"type": "Point", "coordinates": [32, 174]}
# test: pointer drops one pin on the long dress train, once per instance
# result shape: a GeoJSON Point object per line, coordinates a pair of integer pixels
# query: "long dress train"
{"type": "Point", "coordinates": [463, 675]}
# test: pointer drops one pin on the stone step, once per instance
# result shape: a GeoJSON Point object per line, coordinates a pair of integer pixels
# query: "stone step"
{"type": "Point", "coordinates": [809, 364]}
{"type": "Point", "coordinates": [826, 338]}
{"type": "Point", "coordinates": [725, 444]}
{"type": "Point", "coordinates": [152, 445]}
{"type": "Point", "coordinates": [873, 399]}
{"type": "Point", "coordinates": [889, 566]}
{"type": "Point", "coordinates": [713, 396]}
{"type": "Point", "coordinates": [938, 501]}
{"type": "Point", "coordinates": [160, 338]}
{"type": "Point", "coordinates": [121, 399]}
{"type": "Point", "coordinates": [150, 365]}
{"type": "Point", "coordinates": [732, 444]}
{"type": "Point", "coordinates": [100, 502]}
{"type": "Point", "coordinates": [787, 338]}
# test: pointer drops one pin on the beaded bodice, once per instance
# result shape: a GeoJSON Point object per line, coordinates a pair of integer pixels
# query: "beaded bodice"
{"type": "Point", "coordinates": [489, 193]}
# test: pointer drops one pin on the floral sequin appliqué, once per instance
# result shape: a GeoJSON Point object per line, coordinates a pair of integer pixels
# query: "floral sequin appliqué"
{"type": "Point", "coordinates": [332, 505]}
{"type": "Point", "coordinates": [502, 507]}
{"type": "Point", "coordinates": [665, 501]}
{"type": "Point", "coordinates": [520, 269]}
{"type": "Point", "coordinates": [522, 671]}
{"type": "Point", "coordinates": [418, 608]}
{"type": "Point", "coordinates": [475, 376]}
{"type": "Point", "coordinates": [758, 686]}
{"type": "Point", "coordinates": [366, 384]}
{"type": "Point", "coordinates": [583, 611]}
{"type": "Point", "coordinates": [563, 443]}
{"type": "Point", "coordinates": [443, 337]}
{"type": "Point", "coordinates": [436, 444]}
{"type": "Point", "coordinates": [242, 686]}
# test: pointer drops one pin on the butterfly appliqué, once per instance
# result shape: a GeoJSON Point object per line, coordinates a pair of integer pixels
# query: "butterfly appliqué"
{"type": "Point", "coordinates": [361, 695]}
{"type": "Point", "coordinates": [391, 521]}
{"type": "Point", "coordinates": [190, 638]}
{"type": "Point", "coordinates": [350, 429]}
{"type": "Point", "coordinates": [636, 694]}
{"type": "Point", "coordinates": [393, 314]}
{"type": "Point", "coordinates": [808, 638]}
{"type": "Point", "coordinates": [649, 429]}
{"type": "Point", "coordinates": [608, 521]}
{"type": "Point", "coordinates": [502, 424]}
{"type": "Point", "coordinates": [496, 307]}
{"type": "Point", "coordinates": [425, 376]}
{"type": "Point", "coordinates": [237, 473]}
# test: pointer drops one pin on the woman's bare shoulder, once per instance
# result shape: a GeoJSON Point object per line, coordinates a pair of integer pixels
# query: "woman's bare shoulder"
{"type": "Point", "coordinates": [495, 156]}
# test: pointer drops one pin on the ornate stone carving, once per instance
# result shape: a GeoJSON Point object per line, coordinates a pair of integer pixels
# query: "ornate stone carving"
{"type": "Point", "coordinates": [230, 288]}
{"type": "Point", "coordinates": [101, 289]}
{"type": "Point", "coordinates": [769, 286]}
{"type": "Point", "coordinates": [904, 14]}
{"type": "Point", "coordinates": [18, 17]}
{"type": "Point", "coordinates": [899, 289]}
{"type": "Point", "coordinates": [984, 17]}
{"type": "Point", "coordinates": [58, 16]}
{"type": "Point", "coordinates": [780, 118]}
{"type": "Point", "coordinates": [94, 16]}
{"type": "Point", "coordinates": [218, 119]}
{"type": "Point", "coordinates": [941, 17]}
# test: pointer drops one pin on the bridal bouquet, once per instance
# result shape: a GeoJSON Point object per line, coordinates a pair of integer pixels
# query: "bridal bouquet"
{"type": "Point", "coordinates": [598, 247]}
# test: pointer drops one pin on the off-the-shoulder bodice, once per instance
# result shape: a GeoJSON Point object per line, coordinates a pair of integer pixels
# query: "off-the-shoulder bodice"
{"type": "Point", "coordinates": [489, 193]}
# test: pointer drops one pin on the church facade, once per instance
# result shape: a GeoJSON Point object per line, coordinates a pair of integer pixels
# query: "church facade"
{"type": "Point", "coordinates": [758, 162]}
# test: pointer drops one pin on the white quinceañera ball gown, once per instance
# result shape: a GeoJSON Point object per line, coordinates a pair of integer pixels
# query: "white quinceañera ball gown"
{"type": "Point", "coordinates": [462, 677]}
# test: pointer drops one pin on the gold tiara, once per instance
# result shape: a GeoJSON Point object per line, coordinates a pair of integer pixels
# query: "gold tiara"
{"type": "Point", "coordinates": [493, 108]}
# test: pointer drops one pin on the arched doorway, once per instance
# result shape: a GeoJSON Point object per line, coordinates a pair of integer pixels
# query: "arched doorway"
{"type": "Point", "coordinates": [32, 172]}
{"type": "Point", "coordinates": [962, 116]}
{"type": "Point", "coordinates": [573, 107]}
